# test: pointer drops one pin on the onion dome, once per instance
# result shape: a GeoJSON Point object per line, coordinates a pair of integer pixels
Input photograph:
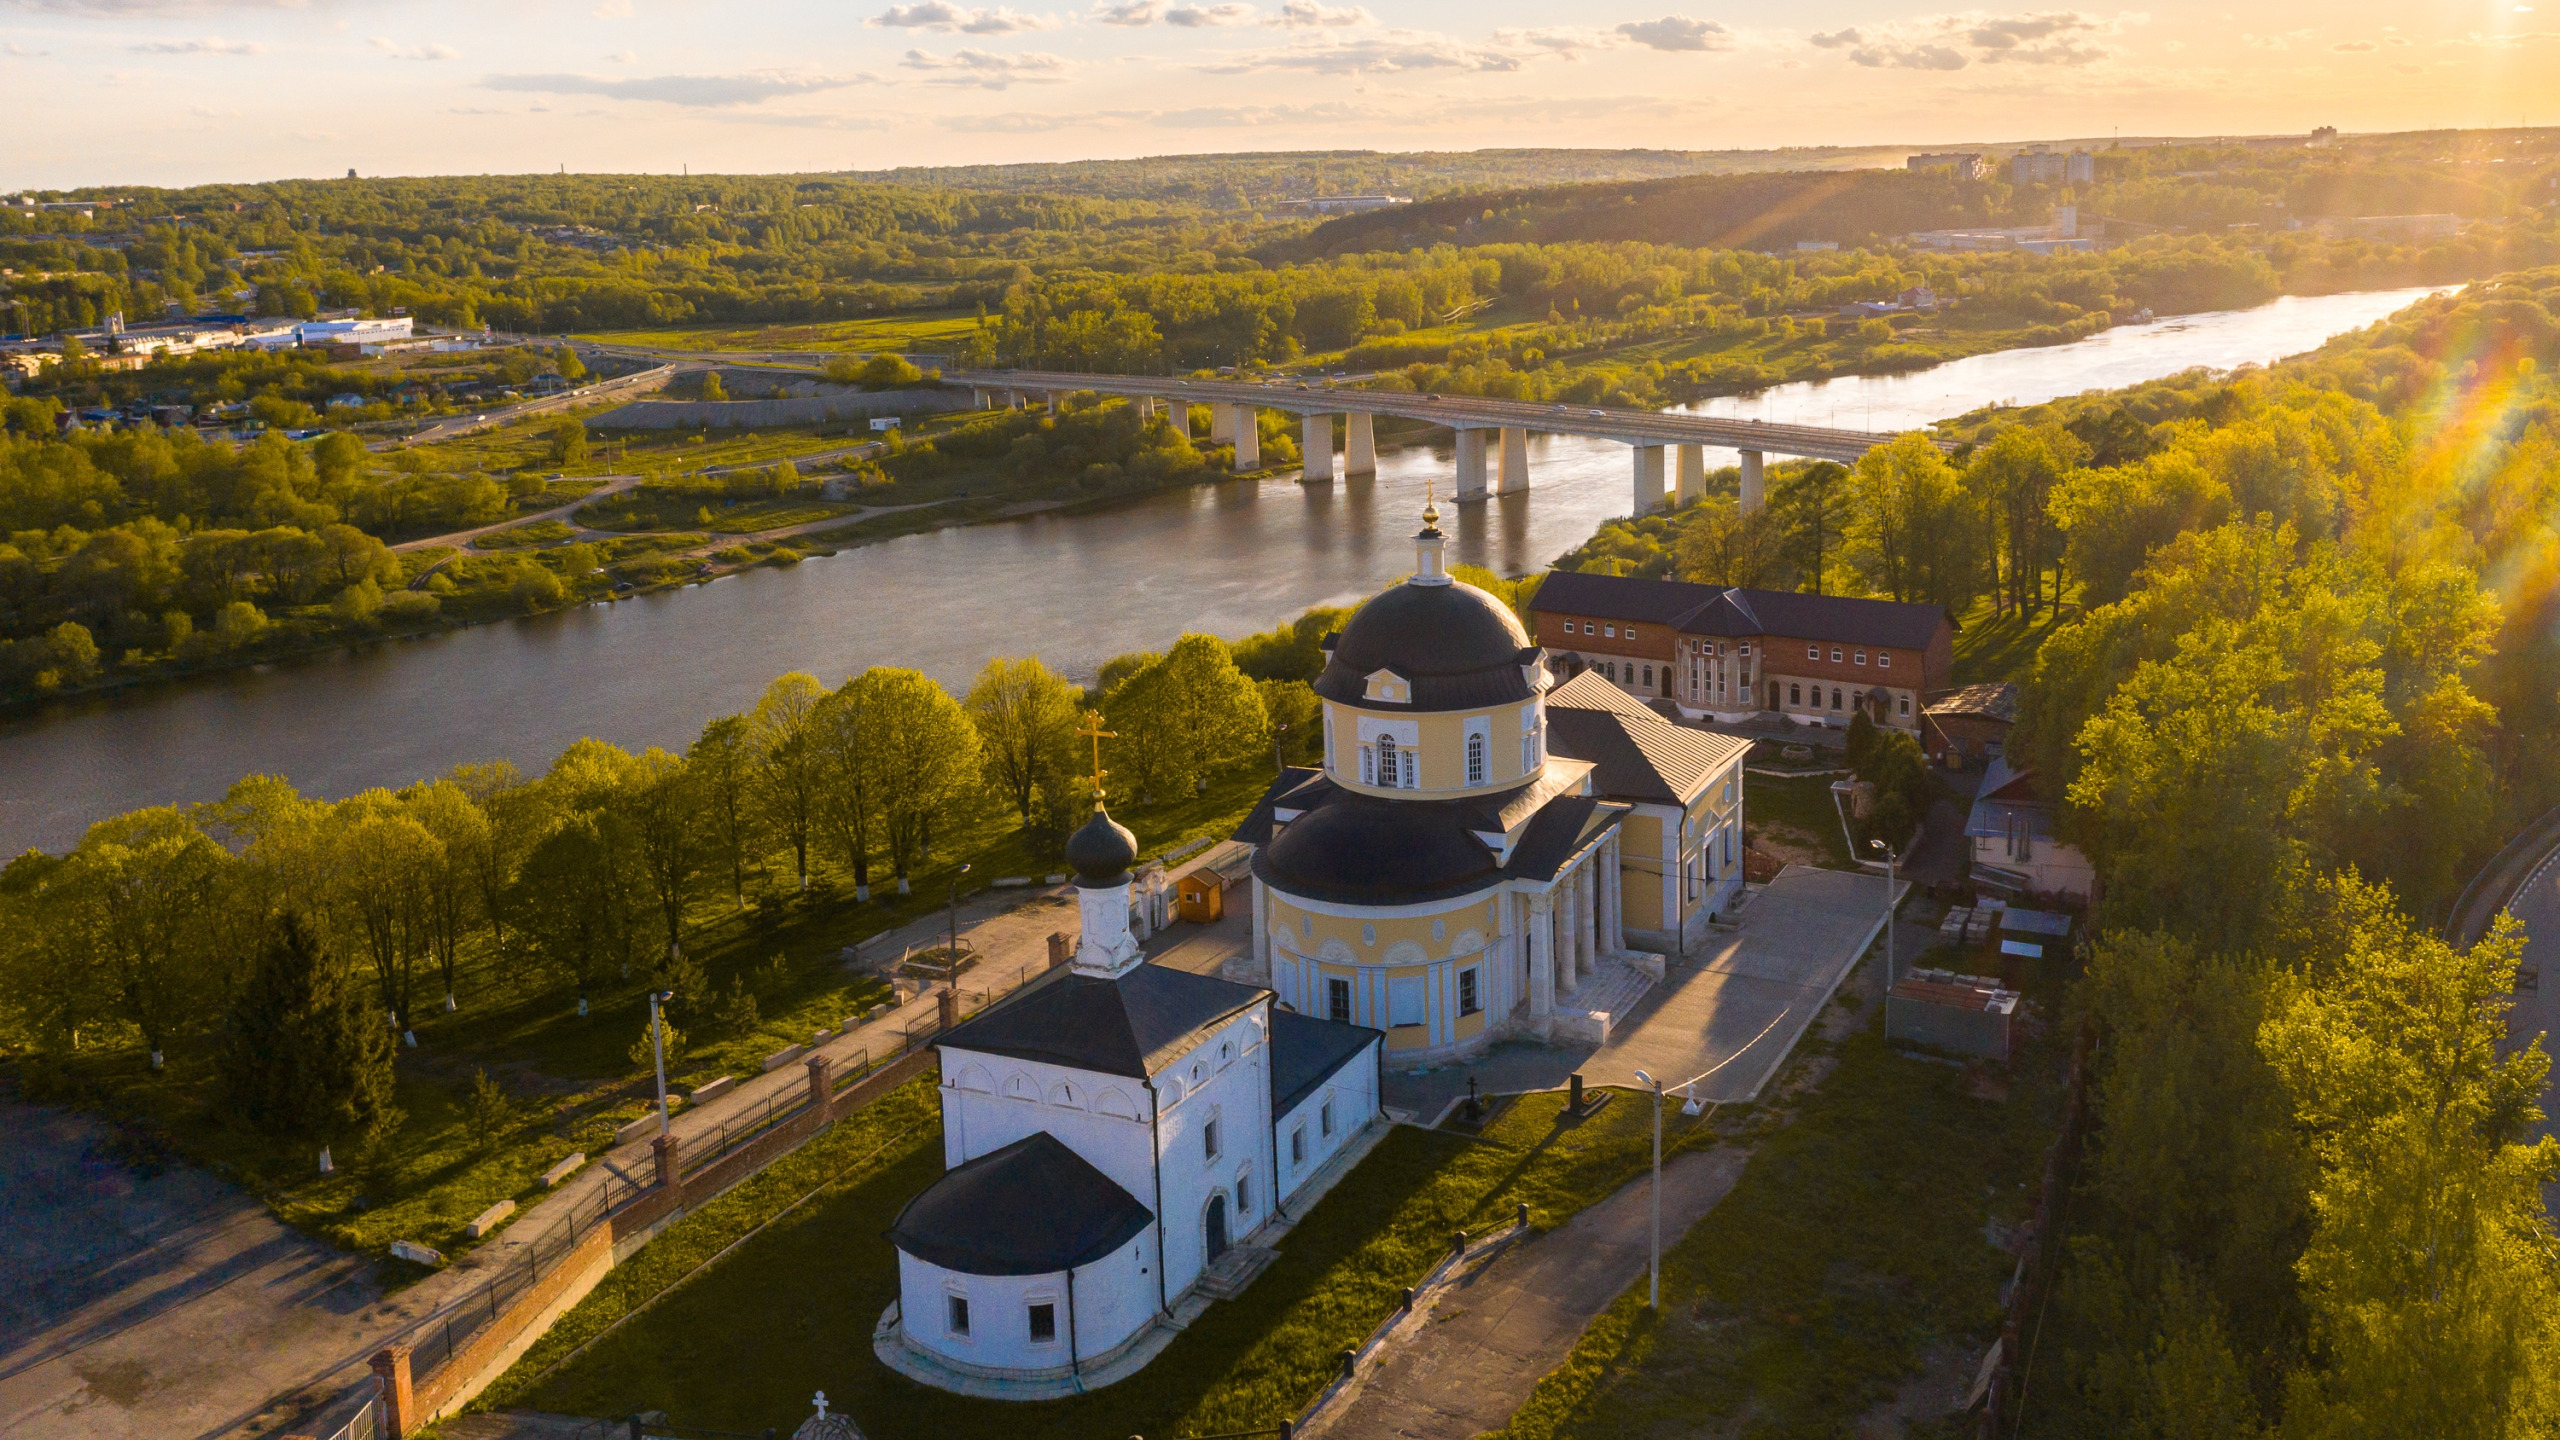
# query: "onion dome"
{"type": "Point", "coordinates": [1101, 852]}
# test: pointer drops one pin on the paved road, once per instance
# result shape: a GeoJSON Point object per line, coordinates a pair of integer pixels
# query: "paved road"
{"type": "Point", "coordinates": [2537, 1009]}
{"type": "Point", "coordinates": [490, 419]}
{"type": "Point", "coordinates": [613, 485]}
{"type": "Point", "coordinates": [156, 1306]}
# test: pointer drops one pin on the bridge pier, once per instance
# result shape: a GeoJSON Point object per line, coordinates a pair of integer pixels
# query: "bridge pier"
{"type": "Point", "coordinates": [1316, 448]}
{"type": "Point", "coordinates": [1648, 479]}
{"type": "Point", "coordinates": [1471, 465]}
{"type": "Point", "coordinates": [1514, 477]}
{"type": "Point", "coordinates": [1754, 486]}
{"type": "Point", "coordinates": [1359, 443]}
{"type": "Point", "coordinates": [979, 399]}
{"type": "Point", "coordinates": [1052, 397]}
{"type": "Point", "coordinates": [1248, 439]}
{"type": "Point", "coordinates": [1221, 423]}
{"type": "Point", "coordinates": [1693, 473]}
{"type": "Point", "coordinates": [1146, 407]}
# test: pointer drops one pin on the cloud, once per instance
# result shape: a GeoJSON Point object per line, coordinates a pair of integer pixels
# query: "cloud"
{"type": "Point", "coordinates": [1308, 15]}
{"type": "Point", "coordinates": [429, 51]}
{"type": "Point", "coordinates": [697, 91]}
{"type": "Point", "coordinates": [209, 45]}
{"type": "Point", "coordinates": [987, 70]}
{"type": "Point", "coordinates": [2354, 47]}
{"type": "Point", "coordinates": [1678, 32]}
{"type": "Point", "coordinates": [2409, 69]}
{"type": "Point", "coordinates": [1196, 17]}
{"type": "Point", "coordinates": [1564, 41]}
{"type": "Point", "coordinates": [1951, 42]}
{"type": "Point", "coordinates": [624, 57]}
{"type": "Point", "coordinates": [1127, 12]}
{"type": "Point", "coordinates": [612, 10]}
{"type": "Point", "coordinates": [944, 16]}
{"type": "Point", "coordinates": [17, 51]}
{"type": "Point", "coordinates": [1390, 54]}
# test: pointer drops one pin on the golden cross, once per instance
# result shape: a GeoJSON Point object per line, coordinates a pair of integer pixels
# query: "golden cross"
{"type": "Point", "coordinates": [1095, 733]}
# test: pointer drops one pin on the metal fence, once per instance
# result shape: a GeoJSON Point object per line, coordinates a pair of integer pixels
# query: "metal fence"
{"type": "Point", "coordinates": [365, 1424]}
{"type": "Point", "coordinates": [439, 1336]}
{"type": "Point", "coordinates": [702, 1152]}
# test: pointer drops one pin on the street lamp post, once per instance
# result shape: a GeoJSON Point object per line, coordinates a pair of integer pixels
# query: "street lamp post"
{"type": "Point", "coordinates": [658, 1052]}
{"type": "Point", "coordinates": [1279, 739]}
{"type": "Point", "coordinates": [1891, 862]}
{"type": "Point", "coordinates": [952, 952]}
{"type": "Point", "coordinates": [1653, 1284]}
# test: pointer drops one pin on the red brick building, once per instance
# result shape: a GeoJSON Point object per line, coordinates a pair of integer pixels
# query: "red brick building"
{"type": "Point", "coordinates": [1731, 653]}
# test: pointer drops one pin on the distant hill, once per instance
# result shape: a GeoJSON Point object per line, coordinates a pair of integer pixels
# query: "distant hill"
{"type": "Point", "coordinates": [1754, 212]}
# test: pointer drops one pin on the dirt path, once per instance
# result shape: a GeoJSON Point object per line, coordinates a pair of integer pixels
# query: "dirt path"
{"type": "Point", "coordinates": [613, 485]}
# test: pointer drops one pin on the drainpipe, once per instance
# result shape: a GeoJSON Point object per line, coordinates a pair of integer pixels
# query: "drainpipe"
{"type": "Point", "coordinates": [1075, 1363]}
{"type": "Point", "coordinates": [1155, 1160]}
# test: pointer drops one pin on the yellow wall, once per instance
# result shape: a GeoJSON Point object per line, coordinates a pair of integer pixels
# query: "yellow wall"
{"type": "Point", "coordinates": [1461, 916]}
{"type": "Point", "coordinates": [1444, 749]}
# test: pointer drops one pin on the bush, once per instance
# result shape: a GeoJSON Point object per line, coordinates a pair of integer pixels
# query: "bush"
{"type": "Point", "coordinates": [536, 588]}
{"type": "Point", "coordinates": [408, 607]}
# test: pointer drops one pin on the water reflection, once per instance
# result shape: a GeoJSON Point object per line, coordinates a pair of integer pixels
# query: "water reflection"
{"type": "Point", "coordinates": [1231, 558]}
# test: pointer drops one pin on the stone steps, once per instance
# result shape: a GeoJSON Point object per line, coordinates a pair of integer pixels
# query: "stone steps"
{"type": "Point", "coordinates": [1606, 996]}
{"type": "Point", "coordinates": [1235, 1270]}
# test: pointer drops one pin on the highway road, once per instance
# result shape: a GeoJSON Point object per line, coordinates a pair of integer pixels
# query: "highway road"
{"type": "Point", "coordinates": [495, 416]}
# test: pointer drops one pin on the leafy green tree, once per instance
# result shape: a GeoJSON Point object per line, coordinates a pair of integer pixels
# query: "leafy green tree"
{"type": "Point", "coordinates": [918, 753]}
{"type": "Point", "coordinates": [577, 902]}
{"type": "Point", "coordinates": [788, 773]}
{"type": "Point", "coordinates": [141, 897]}
{"type": "Point", "coordinates": [383, 862]}
{"type": "Point", "coordinates": [723, 763]}
{"type": "Point", "coordinates": [568, 441]}
{"type": "Point", "coordinates": [661, 805]}
{"type": "Point", "coordinates": [1293, 711]}
{"type": "Point", "coordinates": [712, 389]}
{"type": "Point", "coordinates": [566, 361]}
{"type": "Point", "coordinates": [74, 653]}
{"type": "Point", "coordinates": [2012, 481]}
{"type": "Point", "coordinates": [448, 885]}
{"type": "Point", "coordinates": [1813, 505]}
{"type": "Point", "coordinates": [1025, 714]}
{"type": "Point", "coordinates": [1722, 546]}
{"type": "Point", "coordinates": [304, 1057]}
{"type": "Point", "coordinates": [1912, 532]}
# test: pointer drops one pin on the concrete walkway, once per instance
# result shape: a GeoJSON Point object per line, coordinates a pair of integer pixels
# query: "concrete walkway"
{"type": "Point", "coordinates": [1468, 1357]}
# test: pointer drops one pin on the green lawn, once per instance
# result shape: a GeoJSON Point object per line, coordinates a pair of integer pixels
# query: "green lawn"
{"type": "Point", "coordinates": [654, 507]}
{"type": "Point", "coordinates": [1797, 811]}
{"type": "Point", "coordinates": [1849, 1261]}
{"type": "Point", "coordinates": [540, 532]}
{"type": "Point", "coordinates": [744, 1344]}
{"type": "Point", "coordinates": [2000, 647]}
{"type": "Point", "coordinates": [932, 331]}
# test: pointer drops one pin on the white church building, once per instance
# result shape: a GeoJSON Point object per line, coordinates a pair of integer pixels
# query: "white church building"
{"type": "Point", "coordinates": [1116, 1136]}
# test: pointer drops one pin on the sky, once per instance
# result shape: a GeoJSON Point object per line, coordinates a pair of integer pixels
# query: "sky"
{"type": "Point", "coordinates": [189, 91]}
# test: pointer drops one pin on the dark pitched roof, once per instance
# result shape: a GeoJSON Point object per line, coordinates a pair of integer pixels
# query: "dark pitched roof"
{"type": "Point", "coordinates": [1305, 1052]}
{"type": "Point", "coordinates": [1591, 691]}
{"type": "Point", "coordinates": [1458, 647]}
{"type": "Point", "coordinates": [1731, 610]}
{"type": "Point", "coordinates": [1558, 834]}
{"type": "Point", "coordinates": [1111, 1027]}
{"type": "Point", "coordinates": [1640, 756]}
{"type": "Point", "coordinates": [1033, 1207]}
{"type": "Point", "coordinates": [1283, 794]}
{"type": "Point", "coordinates": [1356, 849]}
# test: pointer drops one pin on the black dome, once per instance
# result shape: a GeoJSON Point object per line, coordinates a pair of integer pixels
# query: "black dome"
{"type": "Point", "coordinates": [1101, 852]}
{"type": "Point", "coordinates": [1453, 633]}
{"type": "Point", "coordinates": [1361, 850]}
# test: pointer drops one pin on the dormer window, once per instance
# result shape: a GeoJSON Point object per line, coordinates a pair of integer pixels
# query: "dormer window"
{"type": "Point", "coordinates": [1390, 687]}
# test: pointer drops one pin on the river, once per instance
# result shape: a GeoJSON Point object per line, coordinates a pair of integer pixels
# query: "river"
{"type": "Point", "coordinates": [1230, 557]}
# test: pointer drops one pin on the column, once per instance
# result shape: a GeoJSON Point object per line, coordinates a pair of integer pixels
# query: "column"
{"type": "Point", "coordinates": [1505, 944]}
{"type": "Point", "coordinates": [1359, 443]}
{"type": "Point", "coordinates": [1146, 407]}
{"type": "Point", "coordinates": [1470, 465]}
{"type": "Point", "coordinates": [1248, 439]}
{"type": "Point", "coordinates": [1221, 423]}
{"type": "Point", "coordinates": [1754, 489]}
{"type": "Point", "coordinates": [1648, 479]}
{"type": "Point", "coordinates": [1693, 472]}
{"type": "Point", "coordinates": [1515, 461]}
{"type": "Point", "coordinates": [1013, 399]}
{"type": "Point", "coordinates": [1588, 912]}
{"type": "Point", "coordinates": [1613, 932]}
{"type": "Point", "coordinates": [1052, 398]}
{"type": "Point", "coordinates": [399, 1396]}
{"type": "Point", "coordinates": [1315, 446]}
{"type": "Point", "coordinates": [1568, 935]}
{"type": "Point", "coordinates": [821, 1085]}
{"type": "Point", "coordinates": [979, 399]}
{"type": "Point", "coordinates": [1542, 956]}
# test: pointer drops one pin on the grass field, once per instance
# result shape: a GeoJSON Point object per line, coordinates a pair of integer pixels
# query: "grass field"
{"type": "Point", "coordinates": [1796, 812]}
{"type": "Point", "coordinates": [1847, 1286]}
{"type": "Point", "coordinates": [540, 532]}
{"type": "Point", "coordinates": [743, 1344]}
{"type": "Point", "coordinates": [923, 331]}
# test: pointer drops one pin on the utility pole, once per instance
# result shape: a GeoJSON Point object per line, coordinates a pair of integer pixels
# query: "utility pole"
{"type": "Point", "coordinates": [658, 1052]}
{"type": "Point", "coordinates": [1653, 1284]}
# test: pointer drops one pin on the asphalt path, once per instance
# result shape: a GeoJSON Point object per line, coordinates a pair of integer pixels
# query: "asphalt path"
{"type": "Point", "coordinates": [613, 485]}
{"type": "Point", "coordinates": [2536, 904]}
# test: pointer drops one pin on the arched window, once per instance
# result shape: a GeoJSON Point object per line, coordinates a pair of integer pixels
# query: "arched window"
{"type": "Point", "coordinates": [1475, 758]}
{"type": "Point", "coordinates": [1394, 767]}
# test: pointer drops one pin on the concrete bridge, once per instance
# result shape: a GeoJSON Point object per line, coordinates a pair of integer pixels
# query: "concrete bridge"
{"type": "Point", "coordinates": [1481, 424]}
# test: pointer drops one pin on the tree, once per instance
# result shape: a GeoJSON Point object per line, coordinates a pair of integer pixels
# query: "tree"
{"type": "Point", "coordinates": [142, 893]}
{"type": "Point", "coordinates": [2012, 480]}
{"type": "Point", "coordinates": [1025, 714]}
{"type": "Point", "coordinates": [1293, 710]}
{"type": "Point", "coordinates": [661, 806]}
{"type": "Point", "coordinates": [575, 897]}
{"type": "Point", "coordinates": [787, 765]}
{"type": "Point", "coordinates": [1212, 715]}
{"type": "Point", "coordinates": [450, 885]}
{"type": "Point", "coordinates": [2432, 1299]}
{"type": "Point", "coordinates": [384, 858]}
{"type": "Point", "coordinates": [918, 753]}
{"type": "Point", "coordinates": [723, 764]}
{"type": "Point", "coordinates": [1720, 545]}
{"type": "Point", "coordinates": [1812, 504]}
{"type": "Point", "coordinates": [568, 441]}
{"type": "Point", "coordinates": [712, 389]}
{"type": "Point", "coordinates": [566, 361]}
{"type": "Point", "coordinates": [73, 652]}
{"type": "Point", "coordinates": [1912, 530]}
{"type": "Point", "coordinates": [304, 1057]}
{"type": "Point", "coordinates": [846, 816]}
{"type": "Point", "coordinates": [517, 816]}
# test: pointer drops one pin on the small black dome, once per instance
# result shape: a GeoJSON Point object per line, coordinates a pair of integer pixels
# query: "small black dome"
{"type": "Point", "coordinates": [1426, 633]}
{"type": "Point", "coordinates": [1101, 852]}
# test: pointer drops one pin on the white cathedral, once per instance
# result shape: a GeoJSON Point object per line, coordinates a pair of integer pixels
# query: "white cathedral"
{"type": "Point", "coordinates": [1115, 1136]}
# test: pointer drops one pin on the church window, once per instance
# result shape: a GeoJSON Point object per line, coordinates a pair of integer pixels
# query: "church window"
{"type": "Point", "coordinates": [1298, 1145]}
{"type": "Point", "coordinates": [1475, 759]}
{"type": "Point", "coordinates": [1044, 1323]}
{"type": "Point", "coordinates": [1324, 1119]}
{"type": "Point", "coordinates": [1307, 926]}
{"type": "Point", "coordinates": [956, 1313]}
{"type": "Point", "coordinates": [1244, 1194]}
{"type": "Point", "coordinates": [1226, 1052]}
{"type": "Point", "coordinates": [1337, 1005]}
{"type": "Point", "coordinates": [1467, 1001]}
{"type": "Point", "coordinates": [1439, 929]}
{"type": "Point", "coordinates": [1368, 934]}
{"type": "Point", "coordinates": [1209, 1138]}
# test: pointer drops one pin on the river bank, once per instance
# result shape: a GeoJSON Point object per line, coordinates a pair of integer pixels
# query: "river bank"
{"type": "Point", "coordinates": [1075, 586]}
